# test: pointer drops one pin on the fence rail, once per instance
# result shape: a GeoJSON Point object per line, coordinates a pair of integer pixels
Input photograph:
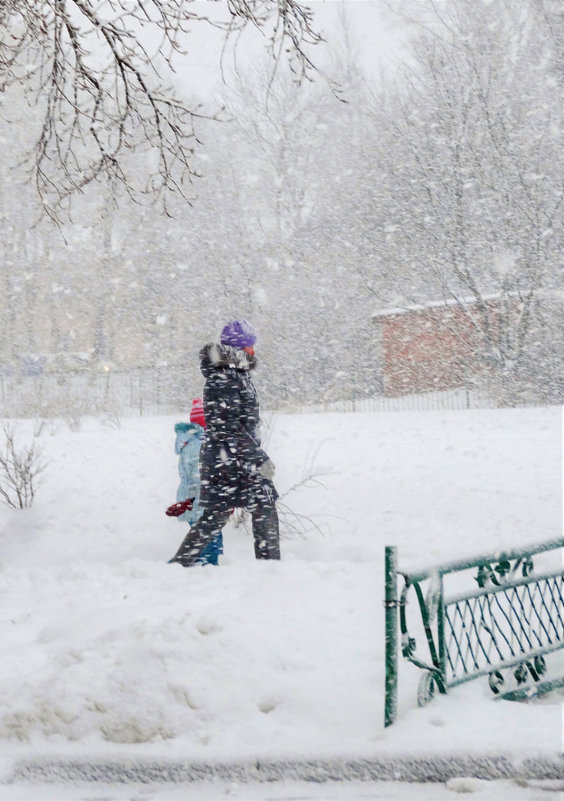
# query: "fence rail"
{"type": "Point", "coordinates": [461, 398]}
{"type": "Point", "coordinates": [504, 629]}
{"type": "Point", "coordinates": [82, 393]}
{"type": "Point", "coordinates": [162, 391]}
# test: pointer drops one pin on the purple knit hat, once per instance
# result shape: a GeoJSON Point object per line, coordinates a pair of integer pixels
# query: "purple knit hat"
{"type": "Point", "coordinates": [239, 334]}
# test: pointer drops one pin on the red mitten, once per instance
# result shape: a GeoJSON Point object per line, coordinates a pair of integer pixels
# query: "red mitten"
{"type": "Point", "coordinates": [179, 508]}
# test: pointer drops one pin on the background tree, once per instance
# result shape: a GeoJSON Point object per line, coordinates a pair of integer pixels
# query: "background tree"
{"type": "Point", "coordinates": [472, 155]}
{"type": "Point", "coordinates": [442, 185]}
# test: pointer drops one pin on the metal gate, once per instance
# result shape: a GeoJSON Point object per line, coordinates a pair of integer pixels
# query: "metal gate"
{"type": "Point", "coordinates": [502, 625]}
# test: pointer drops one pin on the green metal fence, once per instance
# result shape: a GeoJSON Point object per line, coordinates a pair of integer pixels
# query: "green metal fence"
{"type": "Point", "coordinates": [500, 622]}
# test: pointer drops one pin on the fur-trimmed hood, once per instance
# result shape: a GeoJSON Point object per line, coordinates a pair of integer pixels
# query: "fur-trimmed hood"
{"type": "Point", "coordinates": [219, 357]}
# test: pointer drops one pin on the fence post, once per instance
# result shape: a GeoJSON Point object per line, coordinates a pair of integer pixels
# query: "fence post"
{"type": "Point", "coordinates": [442, 649]}
{"type": "Point", "coordinates": [391, 606]}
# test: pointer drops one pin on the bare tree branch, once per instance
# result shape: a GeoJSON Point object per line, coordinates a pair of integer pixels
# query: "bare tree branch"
{"type": "Point", "coordinates": [92, 68]}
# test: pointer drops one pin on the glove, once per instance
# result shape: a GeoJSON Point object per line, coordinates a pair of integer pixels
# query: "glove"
{"type": "Point", "coordinates": [267, 469]}
{"type": "Point", "coordinates": [179, 508]}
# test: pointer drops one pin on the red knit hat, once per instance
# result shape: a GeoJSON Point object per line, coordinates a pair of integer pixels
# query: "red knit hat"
{"type": "Point", "coordinates": [197, 413]}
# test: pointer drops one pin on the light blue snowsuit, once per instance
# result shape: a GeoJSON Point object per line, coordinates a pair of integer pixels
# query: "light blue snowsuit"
{"type": "Point", "coordinates": [189, 438]}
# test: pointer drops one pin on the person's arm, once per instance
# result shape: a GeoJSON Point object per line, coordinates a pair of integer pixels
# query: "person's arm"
{"type": "Point", "coordinates": [222, 404]}
{"type": "Point", "coordinates": [190, 462]}
{"type": "Point", "coordinates": [222, 409]}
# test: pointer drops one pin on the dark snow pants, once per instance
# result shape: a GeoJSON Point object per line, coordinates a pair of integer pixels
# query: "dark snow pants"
{"type": "Point", "coordinates": [265, 532]}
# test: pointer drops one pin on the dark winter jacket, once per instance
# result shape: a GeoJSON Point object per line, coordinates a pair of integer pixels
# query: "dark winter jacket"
{"type": "Point", "coordinates": [231, 451]}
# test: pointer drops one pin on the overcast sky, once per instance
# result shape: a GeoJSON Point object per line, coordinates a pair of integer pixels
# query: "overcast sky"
{"type": "Point", "coordinates": [376, 32]}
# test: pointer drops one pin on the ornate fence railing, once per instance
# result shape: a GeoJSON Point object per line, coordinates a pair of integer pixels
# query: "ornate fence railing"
{"type": "Point", "coordinates": [500, 622]}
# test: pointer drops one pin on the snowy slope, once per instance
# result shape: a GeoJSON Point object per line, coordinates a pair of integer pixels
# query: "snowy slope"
{"type": "Point", "coordinates": [108, 650]}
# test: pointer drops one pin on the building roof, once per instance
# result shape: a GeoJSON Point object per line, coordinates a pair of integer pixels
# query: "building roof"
{"type": "Point", "coordinates": [438, 304]}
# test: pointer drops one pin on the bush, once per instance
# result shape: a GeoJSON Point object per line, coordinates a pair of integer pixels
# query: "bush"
{"type": "Point", "coordinates": [20, 470]}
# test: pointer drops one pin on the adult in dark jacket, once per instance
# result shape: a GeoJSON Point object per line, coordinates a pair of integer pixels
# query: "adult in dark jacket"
{"type": "Point", "coordinates": [234, 470]}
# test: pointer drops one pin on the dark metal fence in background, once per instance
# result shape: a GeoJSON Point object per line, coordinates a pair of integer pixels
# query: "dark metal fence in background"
{"type": "Point", "coordinates": [148, 391]}
{"type": "Point", "coordinates": [461, 398]}
{"type": "Point", "coordinates": [160, 390]}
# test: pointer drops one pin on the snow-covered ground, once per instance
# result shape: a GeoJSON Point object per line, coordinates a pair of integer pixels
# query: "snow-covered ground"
{"type": "Point", "coordinates": [476, 789]}
{"type": "Point", "coordinates": [109, 652]}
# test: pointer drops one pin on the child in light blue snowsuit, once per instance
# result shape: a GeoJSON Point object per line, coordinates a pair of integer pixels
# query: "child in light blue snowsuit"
{"type": "Point", "coordinates": [189, 438]}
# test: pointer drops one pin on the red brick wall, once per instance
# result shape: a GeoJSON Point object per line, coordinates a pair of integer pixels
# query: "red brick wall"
{"type": "Point", "coordinates": [435, 348]}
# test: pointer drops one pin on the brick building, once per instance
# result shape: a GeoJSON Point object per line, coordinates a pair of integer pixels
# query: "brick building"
{"type": "Point", "coordinates": [437, 346]}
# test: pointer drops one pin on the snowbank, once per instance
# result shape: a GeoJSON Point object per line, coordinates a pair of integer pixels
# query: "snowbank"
{"type": "Point", "coordinates": [110, 651]}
